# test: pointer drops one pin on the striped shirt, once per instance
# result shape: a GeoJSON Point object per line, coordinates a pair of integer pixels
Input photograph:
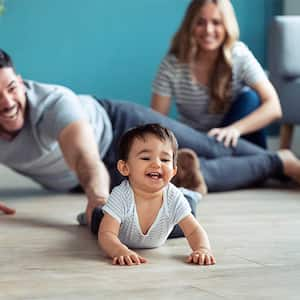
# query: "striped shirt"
{"type": "Point", "coordinates": [121, 206]}
{"type": "Point", "coordinates": [174, 79]}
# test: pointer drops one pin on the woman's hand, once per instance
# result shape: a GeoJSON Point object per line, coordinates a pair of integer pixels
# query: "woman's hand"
{"type": "Point", "coordinates": [128, 258]}
{"type": "Point", "coordinates": [228, 135]}
{"type": "Point", "coordinates": [201, 256]}
{"type": "Point", "coordinates": [5, 209]}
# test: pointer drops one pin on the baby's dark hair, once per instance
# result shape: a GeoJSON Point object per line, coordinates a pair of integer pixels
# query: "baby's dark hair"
{"type": "Point", "coordinates": [140, 132]}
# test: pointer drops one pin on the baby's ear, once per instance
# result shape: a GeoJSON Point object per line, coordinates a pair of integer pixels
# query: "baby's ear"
{"type": "Point", "coordinates": [123, 168]}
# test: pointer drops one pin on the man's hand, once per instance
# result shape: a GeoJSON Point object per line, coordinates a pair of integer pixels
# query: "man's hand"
{"type": "Point", "coordinates": [201, 256]}
{"type": "Point", "coordinates": [228, 135]}
{"type": "Point", "coordinates": [6, 210]}
{"type": "Point", "coordinates": [128, 258]}
{"type": "Point", "coordinates": [93, 202]}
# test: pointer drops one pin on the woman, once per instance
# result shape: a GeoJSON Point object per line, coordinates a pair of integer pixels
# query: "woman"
{"type": "Point", "coordinates": [207, 70]}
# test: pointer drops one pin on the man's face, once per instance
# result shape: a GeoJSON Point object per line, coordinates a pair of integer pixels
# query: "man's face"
{"type": "Point", "coordinates": [12, 103]}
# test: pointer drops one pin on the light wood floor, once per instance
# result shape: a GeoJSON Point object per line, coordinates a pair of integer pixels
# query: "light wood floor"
{"type": "Point", "coordinates": [44, 254]}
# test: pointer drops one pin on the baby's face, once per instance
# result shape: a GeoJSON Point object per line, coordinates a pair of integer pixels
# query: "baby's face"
{"type": "Point", "coordinates": [150, 164]}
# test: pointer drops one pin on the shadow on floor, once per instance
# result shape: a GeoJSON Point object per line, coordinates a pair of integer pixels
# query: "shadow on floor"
{"type": "Point", "coordinates": [29, 192]}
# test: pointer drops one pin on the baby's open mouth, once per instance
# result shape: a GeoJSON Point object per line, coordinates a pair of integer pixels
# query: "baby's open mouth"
{"type": "Point", "coordinates": [154, 175]}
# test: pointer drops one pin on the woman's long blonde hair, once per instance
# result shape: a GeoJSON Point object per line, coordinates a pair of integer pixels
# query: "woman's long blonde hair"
{"type": "Point", "coordinates": [185, 49]}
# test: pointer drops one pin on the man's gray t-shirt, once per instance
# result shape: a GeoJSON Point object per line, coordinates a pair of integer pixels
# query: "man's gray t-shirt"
{"type": "Point", "coordinates": [35, 152]}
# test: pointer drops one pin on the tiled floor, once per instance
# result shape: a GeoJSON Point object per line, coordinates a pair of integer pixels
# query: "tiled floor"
{"type": "Point", "coordinates": [44, 254]}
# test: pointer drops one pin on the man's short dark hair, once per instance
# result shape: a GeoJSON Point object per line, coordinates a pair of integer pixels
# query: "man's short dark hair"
{"type": "Point", "coordinates": [5, 60]}
{"type": "Point", "coordinates": [140, 132]}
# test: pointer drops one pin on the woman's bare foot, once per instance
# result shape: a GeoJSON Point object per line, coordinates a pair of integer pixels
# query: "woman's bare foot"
{"type": "Point", "coordinates": [291, 164]}
{"type": "Point", "coordinates": [189, 173]}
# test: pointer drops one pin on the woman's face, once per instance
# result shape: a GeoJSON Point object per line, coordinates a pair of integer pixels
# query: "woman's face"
{"type": "Point", "coordinates": [209, 30]}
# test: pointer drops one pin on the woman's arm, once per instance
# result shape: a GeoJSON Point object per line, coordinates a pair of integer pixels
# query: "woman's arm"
{"type": "Point", "coordinates": [112, 246]}
{"type": "Point", "coordinates": [269, 111]}
{"type": "Point", "coordinates": [198, 241]}
{"type": "Point", "coordinates": [161, 104]}
{"type": "Point", "coordinates": [266, 113]}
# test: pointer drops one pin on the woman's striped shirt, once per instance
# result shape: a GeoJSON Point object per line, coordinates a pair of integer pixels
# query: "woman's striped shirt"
{"type": "Point", "coordinates": [174, 79]}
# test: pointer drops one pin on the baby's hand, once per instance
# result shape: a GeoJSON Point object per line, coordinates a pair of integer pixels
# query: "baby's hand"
{"type": "Point", "coordinates": [201, 256]}
{"type": "Point", "coordinates": [128, 258]}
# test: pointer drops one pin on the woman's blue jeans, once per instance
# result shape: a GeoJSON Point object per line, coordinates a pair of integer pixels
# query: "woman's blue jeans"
{"type": "Point", "coordinates": [223, 168]}
{"type": "Point", "coordinates": [247, 102]}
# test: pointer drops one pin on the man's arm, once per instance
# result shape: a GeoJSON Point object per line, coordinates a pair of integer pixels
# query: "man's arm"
{"type": "Point", "coordinates": [81, 153]}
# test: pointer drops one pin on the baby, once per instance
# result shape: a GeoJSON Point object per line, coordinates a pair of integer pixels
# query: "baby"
{"type": "Point", "coordinates": [142, 211]}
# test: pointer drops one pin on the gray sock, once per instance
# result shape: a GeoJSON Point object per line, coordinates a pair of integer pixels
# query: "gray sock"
{"type": "Point", "coordinates": [81, 219]}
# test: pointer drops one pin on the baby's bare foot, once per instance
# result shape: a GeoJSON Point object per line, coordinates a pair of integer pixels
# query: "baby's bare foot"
{"type": "Point", "coordinates": [291, 164]}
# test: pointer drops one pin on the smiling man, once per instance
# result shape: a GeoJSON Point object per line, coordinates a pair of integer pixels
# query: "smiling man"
{"type": "Point", "coordinates": [66, 137]}
{"type": "Point", "coordinates": [53, 124]}
{"type": "Point", "coordinates": [70, 142]}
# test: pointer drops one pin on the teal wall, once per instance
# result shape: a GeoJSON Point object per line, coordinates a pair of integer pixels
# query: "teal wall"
{"type": "Point", "coordinates": [107, 48]}
{"type": "Point", "coordinates": [254, 18]}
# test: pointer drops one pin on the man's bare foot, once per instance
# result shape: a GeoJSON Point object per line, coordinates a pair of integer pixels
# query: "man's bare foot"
{"type": "Point", "coordinates": [189, 174]}
{"type": "Point", "coordinates": [291, 164]}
